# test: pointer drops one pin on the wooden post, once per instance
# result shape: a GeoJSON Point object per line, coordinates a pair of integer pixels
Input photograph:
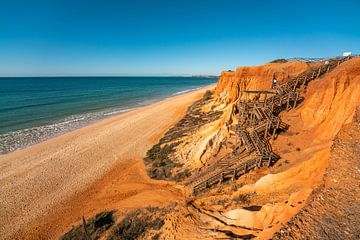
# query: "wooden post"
{"type": "Point", "coordinates": [318, 72]}
{"type": "Point", "coordinates": [269, 161]}
{"type": "Point", "coordinates": [234, 175]}
{"type": "Point", "coordinates": [296, 98]}
{"type": "Point", "coordinates": [288, 102]}
{"type": "Point", "coordinates": [251, 114]}
{"type": "Point", "coordinates": [221, 178]}
{"type": "Point", "coordinates": [273, 133]}
{"type": "Point", "coordinates": [304, 82]}
{"type": "Point", "coordinates": [297, 82]}
{"type": "Point", "coordinates": [267, 129]}
{"type": "Point", "coordinates": [87, 235]}
{"type": "Point", "coordinates": [278, 124]}
{"type": "Point", "coordinates": [313, 75]}
{"type": "Point", "coordinates": [236, 141]}
{"type": "Point", "coordinates": [265, 99]}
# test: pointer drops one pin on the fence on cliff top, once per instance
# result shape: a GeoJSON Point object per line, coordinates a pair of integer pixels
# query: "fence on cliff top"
{"type": "Point", "coordinates": [310, 59]}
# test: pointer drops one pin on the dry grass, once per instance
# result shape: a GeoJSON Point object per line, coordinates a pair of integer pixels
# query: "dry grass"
{"type": "Point", "coordinates": [140, 223]}
{"type": "Point", "coordinates": [95, 227]}
{"type": "Point", "coordinates": [242, 199]}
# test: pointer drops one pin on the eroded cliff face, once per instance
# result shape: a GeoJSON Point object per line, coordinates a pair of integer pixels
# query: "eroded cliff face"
{"type": "Point", "coordinates": [255, 78]}
{"type": "Point", "coordinates": [333, 209]}
{"type": "Point", "coordinates": [330, 102]}
{"type": "Point", "coordinates": [289, 200]}
{"type": "Point", "coordinates": [210, 141]}
{"type": "Point", "coordinates": [259, 203]}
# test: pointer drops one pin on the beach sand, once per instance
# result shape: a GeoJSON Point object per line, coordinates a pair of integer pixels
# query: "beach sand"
{"type": "Point", "coordinates": [48, 187]}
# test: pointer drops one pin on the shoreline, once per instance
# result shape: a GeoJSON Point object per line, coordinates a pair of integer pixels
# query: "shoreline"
{"type": "Point", "coordinates": [24, 138]}
{"type": "Point", "coordinates": [35, 179]}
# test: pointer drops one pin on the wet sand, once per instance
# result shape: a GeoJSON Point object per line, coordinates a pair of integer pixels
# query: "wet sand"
{"type": "Point", "coordinates": [48, 187]}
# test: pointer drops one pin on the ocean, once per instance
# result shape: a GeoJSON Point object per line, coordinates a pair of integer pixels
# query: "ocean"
{"type": "Point", "coordinates": [33, 109]}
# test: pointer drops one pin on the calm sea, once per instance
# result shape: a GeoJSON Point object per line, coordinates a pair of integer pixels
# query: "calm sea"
{"type": "Point", "coordinates": [33, 109]}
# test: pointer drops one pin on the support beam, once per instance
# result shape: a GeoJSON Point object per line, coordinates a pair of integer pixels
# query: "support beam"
{"type": "Point", "coordinates": [318, 75]}
{"type": "Point", "coordinates": [297, 82]}
{"type": "Point", "coordinates": [221, 178]}
{"type": "Point", "coordinates": [304, 82]}
{"type": "Point", "coordinates": [267, 129]}
{"type": "Point", "coordinates": [269, 161]}
{"type": "Point", "coordinates": [296, 98]}
{"type": "Point", "coordinates": [265, 99]}
{"type": "Point", "coordinates": [234, 175]}
{"type": "Point", "coordinates": [288, 102]}
{"type": "Point", "coordinates": [273, 133]}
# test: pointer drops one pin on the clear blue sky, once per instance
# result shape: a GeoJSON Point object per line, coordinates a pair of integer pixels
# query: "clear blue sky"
{"type": "Point", "coordinates": [153, 37]}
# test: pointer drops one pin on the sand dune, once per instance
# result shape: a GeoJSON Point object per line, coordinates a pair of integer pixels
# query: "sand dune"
{"type": "Point", "coordinates": [43, 188]}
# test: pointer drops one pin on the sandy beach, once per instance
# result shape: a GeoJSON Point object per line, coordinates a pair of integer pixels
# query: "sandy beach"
{"type": "Point", "coordinates": [48, 187]}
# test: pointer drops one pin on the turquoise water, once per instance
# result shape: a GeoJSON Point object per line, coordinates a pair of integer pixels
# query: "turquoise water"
{"type": "Point", "coordinates": [34, 109]}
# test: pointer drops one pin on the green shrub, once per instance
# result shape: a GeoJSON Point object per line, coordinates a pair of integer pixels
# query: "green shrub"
{"type": "Point", "coordinates": [242, 199]}
{"type": "Point", "coordinates": [207, 95]}
{"type": "Point", "coordinates": [280, 60]}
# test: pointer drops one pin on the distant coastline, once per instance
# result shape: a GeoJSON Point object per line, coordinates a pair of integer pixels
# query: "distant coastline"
{"type": "Point", "coordinates": [205, 76]}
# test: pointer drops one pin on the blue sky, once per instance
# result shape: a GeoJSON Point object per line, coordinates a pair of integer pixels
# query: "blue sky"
{"type": "Point", "coordinates": [153, 37]}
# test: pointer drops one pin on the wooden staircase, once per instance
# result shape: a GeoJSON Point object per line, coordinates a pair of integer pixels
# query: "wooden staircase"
{"type": "Point", "coordinates": [258, 122]}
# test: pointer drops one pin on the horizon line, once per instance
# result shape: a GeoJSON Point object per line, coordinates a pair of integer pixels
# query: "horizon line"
{"type": "Point", "coordinates": [163, 75]}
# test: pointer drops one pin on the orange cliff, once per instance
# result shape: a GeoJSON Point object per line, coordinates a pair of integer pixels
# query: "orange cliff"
{"type": "Point", "coordinates": [330, 102]}
{"type": "Point", "coordinates": [255, 78]}
{"type": "Point", "coordinates": [305, 149]}
{"type": "Point", "coordinates": [282, 190]}
{"type": "Point", "coordinates": [210, 140]}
